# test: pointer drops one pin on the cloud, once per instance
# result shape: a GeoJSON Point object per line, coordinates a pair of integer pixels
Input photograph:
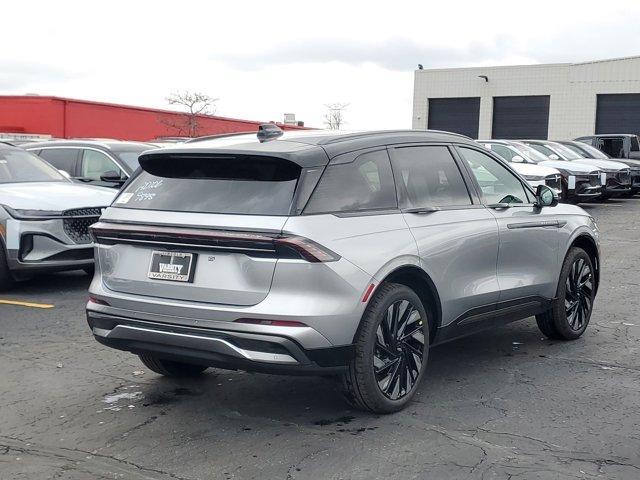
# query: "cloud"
{"type": "Point", "coordinates": [19, 75]}
{"type": "Point", "coordinates": [396, 54]}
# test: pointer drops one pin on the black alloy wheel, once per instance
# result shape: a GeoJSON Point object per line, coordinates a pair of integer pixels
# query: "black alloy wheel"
{"type": "Point", "coordinates": [578, 294]}
{"type": "Point", "coordinates": [399, 349]}
{"type": "Point", "coordinates": [569, 316]}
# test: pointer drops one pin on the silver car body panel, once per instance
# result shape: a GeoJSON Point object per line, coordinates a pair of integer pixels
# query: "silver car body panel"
{"type": "Point", "coordinates": [53, 248]}
{"type": "Point", "coordinates": [474, 256]}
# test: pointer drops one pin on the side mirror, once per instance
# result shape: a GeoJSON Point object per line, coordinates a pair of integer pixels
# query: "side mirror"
{"type": "Point", "coordinates": [553, 156]}
{"type": "Point", "coordinates": [65, 174]}
{"type": "Point", "coordinates": [110, 176]}
{"type": "Point", "coordinates": [517, 159]}
{"type": "Point", "coordinates": [546, 197]}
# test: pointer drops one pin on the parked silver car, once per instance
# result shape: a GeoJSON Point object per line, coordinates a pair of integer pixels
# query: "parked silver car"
{"type": "Point", "coordinates": [44, 217]}
{"type": "Point", "coordinates": [333, 253]}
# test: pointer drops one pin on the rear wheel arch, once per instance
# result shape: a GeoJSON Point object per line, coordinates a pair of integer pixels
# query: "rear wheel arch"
{"type": "Point", "coordinates": [421, 283]}
{"type": "Point", "coordinates": [588, 244]}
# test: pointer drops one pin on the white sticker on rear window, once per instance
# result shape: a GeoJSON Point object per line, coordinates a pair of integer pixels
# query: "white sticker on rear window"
{"type": "Point", "coordinates": [124, 198]}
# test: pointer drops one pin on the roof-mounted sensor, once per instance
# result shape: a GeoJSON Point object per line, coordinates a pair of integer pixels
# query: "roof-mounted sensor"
{"type": "Point", "coordinates": [269, 131]}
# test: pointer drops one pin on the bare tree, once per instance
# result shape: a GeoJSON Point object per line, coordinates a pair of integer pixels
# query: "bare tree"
{"type": "Point", "coordinates": [193, 104]}
{"type": "Point", "coordinates": [334, 117]}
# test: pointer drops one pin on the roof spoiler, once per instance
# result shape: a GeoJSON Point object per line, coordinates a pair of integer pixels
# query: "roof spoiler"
{"type": "Point", "coordinates": [269, 131]}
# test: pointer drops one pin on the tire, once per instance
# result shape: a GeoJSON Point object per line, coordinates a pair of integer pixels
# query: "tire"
{"type": "Point", "coordinates": [6, 279]}
{"type": "Point", "coordinates": [571, 312]}
{"type": "Point", "coordinates": [169, 368]}
{"type": "Point", "coordinates": [376, 342]}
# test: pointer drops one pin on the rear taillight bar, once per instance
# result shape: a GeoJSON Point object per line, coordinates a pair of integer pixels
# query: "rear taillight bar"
{"type": "Point", "coordinates": [286, 246]}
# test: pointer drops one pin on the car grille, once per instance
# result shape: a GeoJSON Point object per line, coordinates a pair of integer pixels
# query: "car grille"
{"type": "Point", "coordinates": [77, 222]}
{"type": "Point", "coordinates": [553, 181]}
{"type": "Point", "coordinates": [623, 177]}
{"type": "Point", "coordinates": [594, 180]}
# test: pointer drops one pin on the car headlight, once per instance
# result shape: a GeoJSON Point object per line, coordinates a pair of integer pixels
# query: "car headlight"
{"type": "Point", "coordinates": [533, 178]}
{"type": "Point", "coordinates": [22, 214]}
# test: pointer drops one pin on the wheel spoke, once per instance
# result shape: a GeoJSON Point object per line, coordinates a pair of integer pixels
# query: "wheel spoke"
{"type": "Point", "coordinates": [393, 380]}
{"type": "Point", "coordinates": [399, 349]}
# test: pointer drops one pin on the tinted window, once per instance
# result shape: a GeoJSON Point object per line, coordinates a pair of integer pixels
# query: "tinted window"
{"type": "Point", "coordinates": [503, 151]}
{"type": "Point", "coordinates": [363, 184]}
{"type": "Point", "coordinates": [428, 176]}
{"type": "Point", "coordinates": [593, 152]}
{"type": "Point", "coordinates": [129, 158]}
{"type": "Point", "coordinates": [635, 145]}
{"type": "Point", "coordinates": [576, 150]}
{"type": "Point", "coordinates": [498, 184]}
{"type": "Point", "coordinates": [223, 184]}
{"type": "Point", "coordinates": [612, 146]}
{"type": "Point", "coordinates": [61, 158]}
{"type": "Point", "coordinates": [542, 149]}
{"type": "Point", "coordinates": [17, 166]}
{"type": "Point", "coordinates": [95, 164]}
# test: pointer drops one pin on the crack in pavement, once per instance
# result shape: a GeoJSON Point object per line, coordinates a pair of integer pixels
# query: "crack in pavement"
{"type": "Point", "coordinates": [89, 459]}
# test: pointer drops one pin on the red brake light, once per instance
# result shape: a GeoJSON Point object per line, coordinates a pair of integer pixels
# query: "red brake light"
{"type": "Point", "coordinates": [310, 250]}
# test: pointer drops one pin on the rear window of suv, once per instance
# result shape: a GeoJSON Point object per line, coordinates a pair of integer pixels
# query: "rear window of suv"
{"type": "Point", "coordinates": [237, 184]}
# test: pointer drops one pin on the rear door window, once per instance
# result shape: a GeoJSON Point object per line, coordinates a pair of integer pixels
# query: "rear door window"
{"type": "Point", "coordinates": [428, 176]}
{"type": "Point", "coordinates": [366, 183]}
{"type": "Point", "coordinates": [61, 158]}
{"type": "Point", "coordinates": [231, 184]}
{"type": "Point", "coordinates": [95, 164]}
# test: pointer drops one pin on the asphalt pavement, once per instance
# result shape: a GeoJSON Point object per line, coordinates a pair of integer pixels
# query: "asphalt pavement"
{"type": "Point", "coordinates": [502, 404]}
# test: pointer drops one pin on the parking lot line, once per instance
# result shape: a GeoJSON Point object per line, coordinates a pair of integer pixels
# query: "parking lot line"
{"type": "Point", "coordinates": [25, 304]}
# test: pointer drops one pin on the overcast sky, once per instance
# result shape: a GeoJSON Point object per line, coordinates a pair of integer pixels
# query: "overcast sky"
{"type": "Point", "coordinates": [262, 59]}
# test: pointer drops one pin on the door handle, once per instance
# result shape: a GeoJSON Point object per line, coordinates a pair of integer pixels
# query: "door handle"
{"type": "Point", "coordinates": [421, 210]}
{"type": "Point", "coordinates": [497, 206]}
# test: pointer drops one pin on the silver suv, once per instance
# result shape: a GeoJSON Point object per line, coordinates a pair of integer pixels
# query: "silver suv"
{"type": "Point", "coordinates": [331, 253]}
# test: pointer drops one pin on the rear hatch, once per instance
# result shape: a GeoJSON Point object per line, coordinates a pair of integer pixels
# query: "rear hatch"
{"type": "Point", "coordinates": [199, 227]}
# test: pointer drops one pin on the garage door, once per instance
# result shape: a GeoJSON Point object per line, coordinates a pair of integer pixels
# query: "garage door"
{"type": "Point", "coordinates": [459, 115]}
{"type": "Point", "coordinates": [619, 113]}
{"type": "Point", "coordinates": [521, 117]}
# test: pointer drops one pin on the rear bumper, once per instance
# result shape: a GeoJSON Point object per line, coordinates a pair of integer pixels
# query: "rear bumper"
{"type": "Point", "coordinates": [217, 348]}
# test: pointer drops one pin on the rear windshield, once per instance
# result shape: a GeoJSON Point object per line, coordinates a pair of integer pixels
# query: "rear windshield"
{"type": "Point", "coordinates": [223, 184]}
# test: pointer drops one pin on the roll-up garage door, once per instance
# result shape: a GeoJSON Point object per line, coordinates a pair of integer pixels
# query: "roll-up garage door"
{"type": "Point", "coordinates": [521, 117]}
{"type": "Point", "coordinates": [618, 113]}
{"type": "Point", "coordinates": [458, 115]}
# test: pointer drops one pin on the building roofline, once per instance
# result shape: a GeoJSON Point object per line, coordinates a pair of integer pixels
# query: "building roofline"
{"type": "Point", "coordinates": [559, 64]}
{"type": "Point", "coordinates": [140, 108]}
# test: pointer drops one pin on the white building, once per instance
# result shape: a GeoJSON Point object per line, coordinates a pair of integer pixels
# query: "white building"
{"type": "Point", "coordinates": [555, 101]}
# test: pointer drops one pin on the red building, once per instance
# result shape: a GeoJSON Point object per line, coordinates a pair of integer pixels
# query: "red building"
{"type": "Point", "coordinates": [68, 118]}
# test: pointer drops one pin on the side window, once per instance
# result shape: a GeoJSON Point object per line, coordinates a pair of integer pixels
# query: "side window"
{"type": "Point", "coordinates": [61, 158]}
{"type": "Point", "coordinates": [635, 145]}
{"type": "Point", "coordinates": [428, 176]}
{"type": "Point", "coordinates": [363, 184]}
{"type": "Point", "coordinates": [95, 164]}
{"type": "Point", "coordinates": [542, 149]}
{"type": "Point", "coordinates": [498, 184]}
{"type": "Point", "coordinates": [503, 151]}
{"type": "Point", "coordinates": [613, 146]}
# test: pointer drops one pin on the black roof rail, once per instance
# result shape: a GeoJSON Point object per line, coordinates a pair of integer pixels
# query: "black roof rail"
{"type": "Point", "coordinates": [216, 136]}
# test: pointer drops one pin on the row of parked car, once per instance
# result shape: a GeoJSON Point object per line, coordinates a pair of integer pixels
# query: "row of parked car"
{"type": "Point", "coordinates": [575, 170]}
{"type": "Point", "coordinates": [312, 252]}
{"type": "Point", "coordinates": [79, 178]}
